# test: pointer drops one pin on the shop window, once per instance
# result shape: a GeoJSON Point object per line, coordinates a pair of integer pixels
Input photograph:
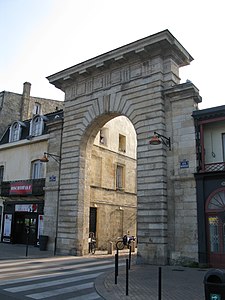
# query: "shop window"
{"type": "Point", "coordinates": [122, 143]}
{"type": "Point", "coordinates": [103, 136]}
{"type": "Point", "coordinates": [1, 173]}
{"type": "Point", "coordinates": [119, 177]}
{"type": "Point", "coordinates": [37, 168]}
{"type": "Point", "coordinates": [37, 126]}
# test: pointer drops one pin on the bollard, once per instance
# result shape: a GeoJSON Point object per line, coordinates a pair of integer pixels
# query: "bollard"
{"type": "Point", "coordinates": [110, 247]}
{"type": "Point", "coordinates": [129, 256]}
{"type": "Point", "coordinates": [132, 246]}
{"type": "Point", "coordinates": [116, 266]}
{"type": "Point", "coordinates": [127, 276]}
{"type": "Point", "coordinates": [160, 283]}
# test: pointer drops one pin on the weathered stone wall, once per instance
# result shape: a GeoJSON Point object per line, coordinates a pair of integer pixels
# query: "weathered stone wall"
{"type": "Point", "coordinates": [116, 210]}
{"type": "Point", "coordinates": [130, 81]}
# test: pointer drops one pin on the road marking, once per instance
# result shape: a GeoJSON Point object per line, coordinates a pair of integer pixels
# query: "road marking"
{"type": "Point", "coordinates": [61, 291]}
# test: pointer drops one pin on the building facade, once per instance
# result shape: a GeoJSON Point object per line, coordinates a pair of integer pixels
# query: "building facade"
{"type": "Point", "coordinates": [15, 108]}
{"type": "Point", "coordinates": [113, 200]}
{"type": "Point", "coordinates": [210, 182]}
{"type": "Point", "coordinates": [23, 178]}
{"type": "Point", "coordinates": [141, 82]}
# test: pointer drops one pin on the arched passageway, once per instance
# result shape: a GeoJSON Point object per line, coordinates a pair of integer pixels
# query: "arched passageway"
{"type": "Point", "coordinates": [141, 82]}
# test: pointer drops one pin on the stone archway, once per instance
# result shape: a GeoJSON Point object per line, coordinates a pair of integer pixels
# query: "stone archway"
{"type": "Point", "coordinates": [140, 81]}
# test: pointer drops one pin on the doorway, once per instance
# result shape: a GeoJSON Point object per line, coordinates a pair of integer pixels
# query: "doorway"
{"type": "Point", "coordinates": [25, 230]}
{"type": "Point", "coordinates": [215, 220]}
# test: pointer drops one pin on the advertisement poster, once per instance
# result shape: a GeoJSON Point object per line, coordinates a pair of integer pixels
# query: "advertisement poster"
{"type": "Point", "coordinates": [7, 225]}
{"type": "Point", "coordinates": [40, 225]}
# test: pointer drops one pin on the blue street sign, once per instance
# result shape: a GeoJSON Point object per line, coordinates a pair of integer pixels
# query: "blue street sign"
{"type": "Point", "coordinates": [184, 164]}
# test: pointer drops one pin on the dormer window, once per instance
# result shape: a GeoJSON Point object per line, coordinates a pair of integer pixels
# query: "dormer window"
{"type": "Point", "coordinates": [15, 131]}
{"type": "Point", "coordinates": [37, 126]}
{"type": "Point", "coordinates": [37, 109]}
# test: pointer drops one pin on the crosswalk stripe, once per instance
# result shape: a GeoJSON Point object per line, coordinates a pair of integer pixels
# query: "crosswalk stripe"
{"type": "Point", "coordinates": [51, 283]}
{"type": "Point", "coordinates": [60, 291]}
{"type": "Point", "coordinates": [48, 270]}
{"type": "Point", "coordinates": [49, 267]}
{"type": "Point", "coordinates": [38, 277]}
{"type": "Point", "coordinates": [91, 296]}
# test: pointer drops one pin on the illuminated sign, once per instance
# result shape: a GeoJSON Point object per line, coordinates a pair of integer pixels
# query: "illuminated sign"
{"type": "Point", "coordinates": [20, 188]}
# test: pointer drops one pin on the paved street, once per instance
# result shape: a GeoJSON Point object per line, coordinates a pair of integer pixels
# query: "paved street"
{"type": "Point", "coordinates": [52, 278]}
{"type": "Point", "coordinates": [40, 275]}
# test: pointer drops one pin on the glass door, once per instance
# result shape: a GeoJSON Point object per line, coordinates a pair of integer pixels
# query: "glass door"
{"type": "Point", "coordinates": [215, 220]}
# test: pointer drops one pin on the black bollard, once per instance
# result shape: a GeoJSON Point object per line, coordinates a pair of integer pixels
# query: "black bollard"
{"type": "Point", "coordinates": [127, 275]}
{"type": "Point", "coordinates": [129, 256]}
{"type": "Point", "coordinates": [160, 284]}
{"type": "Point", "coordinates": [116, 267]}
{"type": "Point", "coordinates": [28, 235]}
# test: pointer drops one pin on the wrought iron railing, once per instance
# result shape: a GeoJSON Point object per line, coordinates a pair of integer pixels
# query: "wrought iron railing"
{"type": "Point", "coordinates": [214, 167]}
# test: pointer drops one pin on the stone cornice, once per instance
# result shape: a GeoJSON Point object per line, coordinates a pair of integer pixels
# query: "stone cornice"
{"type": "Point", "coordinates": [162, 43]}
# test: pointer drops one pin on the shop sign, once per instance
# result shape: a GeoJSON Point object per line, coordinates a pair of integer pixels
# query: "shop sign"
{"type": "Point", "coordinates": [26, 207]}
{"type": "Point", "coordinates": [20, 188]}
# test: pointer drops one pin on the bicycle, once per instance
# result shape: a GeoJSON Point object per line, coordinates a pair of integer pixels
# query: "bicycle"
{"type": "Point", "coordinates": [92, 242]}
{"type": "Point", "coordinates": [124, 241]}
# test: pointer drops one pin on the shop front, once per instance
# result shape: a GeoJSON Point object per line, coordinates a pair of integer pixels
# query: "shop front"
{"type": "Point", "coordinates": [23, 212]}
{"type": "Point", "coordinates": [22, 222]}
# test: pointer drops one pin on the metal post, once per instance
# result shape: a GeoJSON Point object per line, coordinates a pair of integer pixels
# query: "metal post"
{"type": "Point", "coordinates": [27, 244]}
{"type": "Point", "coordinates": [160, 284]}
{"type": "Point", "coordinates": [116, 267]}
{"type": "Point", "coordinates": [127, 272]}
{"type": "Point", "coordinates": [129, 255]}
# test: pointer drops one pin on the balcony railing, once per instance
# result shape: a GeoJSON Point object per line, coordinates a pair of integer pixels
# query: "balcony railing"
{"type": "Point", "coordinates": [214, 167]}
{"type": "Point", "coordinates": [34, 187]}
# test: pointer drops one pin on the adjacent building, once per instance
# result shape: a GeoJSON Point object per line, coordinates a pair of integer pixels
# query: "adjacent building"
{"type": "Point", "coordinates": [210, 184]}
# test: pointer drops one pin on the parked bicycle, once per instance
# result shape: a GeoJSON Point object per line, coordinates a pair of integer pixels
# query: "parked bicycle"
{"type": "Point", "coordinates": [125, 241]}
{"type": "Point", "coordinates": [92, 242]}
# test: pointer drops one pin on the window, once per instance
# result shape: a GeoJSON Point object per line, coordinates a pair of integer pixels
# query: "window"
{"type": "Point", "coordinates": [37, 125]}
{"type": "Point", "coordinates": [119, 177]}
{"type": "Point", "coordinates": [15, 132]}
{"type": "Point", "coordinates": [103, 136]}
{"type": "Point", "coordinates": [37, 169]}
{"type": "Point", "coordinates": [37, 109]}
{"type": "Point", "coordinates": [223, 141]}
{"type": "Point", "coordinates": [1, 173]}
{"type": "Point", "coordinates": [122, 143]}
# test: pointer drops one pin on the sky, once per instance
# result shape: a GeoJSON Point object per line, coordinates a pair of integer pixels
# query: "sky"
{"type": "Point", "coordinates": [42, 37]}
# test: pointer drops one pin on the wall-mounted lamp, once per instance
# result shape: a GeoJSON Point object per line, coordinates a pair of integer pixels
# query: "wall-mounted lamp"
{"type": "Point", "coordinates": [159, 138]}
{"type": "Point", "coordinates": [45, 159]}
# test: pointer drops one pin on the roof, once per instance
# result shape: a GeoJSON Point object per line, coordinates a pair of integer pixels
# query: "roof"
{"type": "Point", "coordinates": [26, 126]}
{"type": "Point", "coordinates": [209, 113]}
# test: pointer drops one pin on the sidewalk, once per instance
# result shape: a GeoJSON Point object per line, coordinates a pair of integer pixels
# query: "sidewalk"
{"type": "Point", "coordinates": [14, 251]}
{"type": "Point", "coordinates": [178, 283]}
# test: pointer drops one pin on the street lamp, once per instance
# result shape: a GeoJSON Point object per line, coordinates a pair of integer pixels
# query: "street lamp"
{"type": "Point", "coordinates": [159, 138]}
{"type": "Point", "coordinates": [57, 158]}
{"type": "Point", "coordinates": [45, 159]}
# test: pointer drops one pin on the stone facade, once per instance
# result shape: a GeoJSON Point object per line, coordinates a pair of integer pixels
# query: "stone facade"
{"type": "Point", "coordinates": [140, 81]}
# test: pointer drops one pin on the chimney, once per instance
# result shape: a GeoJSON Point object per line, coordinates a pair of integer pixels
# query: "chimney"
{"type": "Point", "coordinates": [25, 101]}
{"type": "Point", "coordinates": [26, 89]}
